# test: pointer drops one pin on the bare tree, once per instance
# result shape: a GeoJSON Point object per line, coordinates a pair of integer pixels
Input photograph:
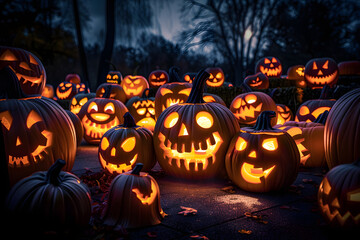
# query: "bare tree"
{"type": "Point", "coordinates": [235, 29]}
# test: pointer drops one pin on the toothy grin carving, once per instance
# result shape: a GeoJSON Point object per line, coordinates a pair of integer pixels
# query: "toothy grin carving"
{"type": "Point", "coordinates": [247, 111]}
{"type": "Point", "coordinates": [170, 102]}
{"type": "Point", "coordinates": [196, 159]}
{"type": "Point", "coordinates": [119, 168]}
{"type": "Point", "coordinates": [97, 130]}
{"type": "Point", "coordinates": [321, 79]}
{"type": "Point", "coordinates": [271, 71]}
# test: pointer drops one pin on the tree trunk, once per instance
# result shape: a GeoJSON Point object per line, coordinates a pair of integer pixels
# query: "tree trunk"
{"type": "Point", "coordinates": [81, 45]}
{"type": "Point", "coordinates": [106, 54]}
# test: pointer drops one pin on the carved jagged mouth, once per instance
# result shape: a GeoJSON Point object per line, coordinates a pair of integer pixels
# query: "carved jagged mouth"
{"type": "Point", "coordinates": [158, 83]}
{"type": "Point", "coordinates": [321, 79]}
{"type": "Point", "coordinates": [37, 155]}
{"type": "Point", "coordinates": [24, 79]}
{"type": "Point", "coordinates": [255, 84]}
{"type": "Point", "coordinates": [325, 208]}
{"type": "Point", "coordinates": [170, 102]}
{"type": "Point", "coordinates": [134, 91]}
{"type": "Point", "coordinates": [254, 175]}
{"type": "Point", "coordinates": [271, 71]}
{"type": "Point", "coordinates": [97, 130]}
{"type": "Point", "coordinates": [63, 95]}
{"type": "Point", "coordinates": [304, 153]}
{"type": "Point", "coordinates": [195, 159]}
{"type": "Point", "coordinates": [118, 168]}
{"type": "Point", "coordinates": [247, 111]}
{"type": "Point", "coordinates": [75, 109]}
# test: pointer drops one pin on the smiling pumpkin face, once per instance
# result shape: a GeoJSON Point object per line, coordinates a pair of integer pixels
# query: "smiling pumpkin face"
{"type": "Point", "coordinates": [66, 90]}
{"type": "Point", "coordinates": [270, 66]}
{"type": "Point", "coordinates": [321, 71]}
{"type": "Point", "coordinates": [27, 67]}
{"type": "Point", "coordinates": [217, 77]}
{"type": "Point", "coordinates": [257, 81]}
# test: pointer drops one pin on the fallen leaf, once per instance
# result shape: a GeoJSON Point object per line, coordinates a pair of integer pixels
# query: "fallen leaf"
{"type": "Point", "coordinates": [257, 218]}
{"type": "Point", "coordinates": [187, 210]}
{"type": "Point", "coordinates": [243, 231]}
{"type": "Point", "coordinates": [202, 237]}
{"type": "Point", "coordinates": [228, 189]}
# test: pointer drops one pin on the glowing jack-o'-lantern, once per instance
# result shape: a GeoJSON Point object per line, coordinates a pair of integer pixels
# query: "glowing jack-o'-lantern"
{"type": "Point", "coordinates": [98, 115]}
{"type": "Point", "coordinates": [189, 77]}
{"type": "Point", "coordinates": [311, 109]}
{"type": "Point", "coordinates": [339, 196]}
{"type": "Point", "coordinates": [297, 73]}
{"type": "Point", "coordinates": [270, 66]}
{"type": "Point", "coordinates": [321, 71]}
{"type": "Point", "coordinates": [134, 85]}
{"type": "Point", "coordinates": [48, 91]}
{"type": "Point", "coordinates": [284, 114]}
{"type": "Point", "coordinates": [114, 77]}
{"type": "Point", "coordinates": [66, 90]}
{"type": "Point", "coordinates": [191, 138]}
{"type": "Point", "coordinates": [247, 106]}
{"type": "Point", "coordinates": [262, 159]}
{"type": "Point", "coordinates": [171, 93]}
{"type": "Point", "coordinates": [217, 77]}
{"type": "Point", "coordinates": [27, 67]}
{"type": "Point", "coordinates": [125, 145]}
{"type": "Point", "coordinates": [79, 100]}
{"type": "Point", "coordinates": [134, 200]}
{"type": "Point", "coordinates": [36, 131]}
{"type": "Point", "coordinates": [158, 78]}
{"type": "Point", "coordinates": [116, 92]}
{"type": "Point", "coordinates": [257, 81]}
{"type": "Point", "coordinates": [143, 110]}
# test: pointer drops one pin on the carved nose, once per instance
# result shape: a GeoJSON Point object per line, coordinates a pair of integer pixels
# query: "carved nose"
{"type": "Point", "coordinates": [320, 73]}
{"type": "Point", "coordinates": [183, 131]}
{"type": "Point", "coordinates": [252, 154]}
{"type": "Point", "coordinates": [18, 142]}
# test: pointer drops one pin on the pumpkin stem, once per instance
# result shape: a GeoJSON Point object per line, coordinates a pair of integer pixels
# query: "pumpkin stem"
{"type": "Point", "coordinates": [196, 94]}
{"type": "Point", "coordinates": [245, 88]}
{"type": "Point", "coordinates": [137, 169]}
{"type": "Point", "coordinates": [107, 92]}
{"type": "Point", "coordinates": [322, 117]}
{"type": "Point", "coordinates": [263, 122]}
{"type": "Point", "coordinates": [11, 88]}
{"type": "Point", "coordinates": [52, 175]}
{"type": "Point", "coordinates": [174, 75]}
{"type": "Point", "coordinates": [129, 121]}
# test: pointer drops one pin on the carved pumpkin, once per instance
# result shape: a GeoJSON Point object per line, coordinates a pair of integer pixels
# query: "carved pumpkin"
{"type": "Point", "coordinates": [270, 66]}
{"type": "Point", "coordinates": [117, 92]}
{"type": "Point", "coordinates": [48, 91]}
{"type": "Point", "coordinates": [339, 196]}
{"type": "Point", "coordinates": [98, 115]}
{"type": "Point", "coordinates": [262, 159]}
{"type": "Point", "coordinates": [73, 78]}
{"type": "Point", "coordinates": [50, 200]}
{"type": "Point", "coordinates": [341, 132]}
{"type": "Point", "coordinates": [36, 130]}
{"type": "Point", "coordinates": [114, 77]}
{"type": "Point", "coordinates": [349, 68]}
{"type": "Point", "coordinates": [158, 78]}
{"type": "Point", "coordinates": [191, 138]}
{"type": "Point", "coordinates": [66, 90]}
{"type": "Point", "coordinates": [171, 93]}
{"type": "Point", "coordinates": [143, 110]}
{"type": "Point", "coordinates": [257, 81]}
{"type": "Point", "coordinates": [189, 77]}
{"type": "Point", "coordinates": [134, 200]}
{"type": "Point", "coordinates": [81, 88]}
{"type": "Point", "coordinates": [321, 71]}
{"type": "Point", "coordinates": [311, 109]}
{"type": "Point", "coordinates": [27, 67]}
{"type": "Point", "coordinates": [79, 100]}
{"type": "Point", "coordinates": [125, 145]}
{"type": "Point", "coordinates": [297, 73]}
{"type": "Point", "coordinates": [284, 114]}
{"type": "Point", "coordinates": [217, 77]}
{"type": "Point", "coordinates": [247, 106]}
{"type": "Point", "coordinates": [134, 85]}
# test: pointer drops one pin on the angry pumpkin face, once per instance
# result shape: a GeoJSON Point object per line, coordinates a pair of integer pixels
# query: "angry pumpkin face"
{"type": "Point", "coordinates": [27, 67]}
{"type": "Point", "coordinates": [284, 114]}
{"type": "Point", "coordinates": [158, 78]}
{"type": "Point", "coordinates": [134, 85]}
{"type": "Point", "coordinates": [270, 66]}
{"type": "Point", "coordinates": [321, 71]}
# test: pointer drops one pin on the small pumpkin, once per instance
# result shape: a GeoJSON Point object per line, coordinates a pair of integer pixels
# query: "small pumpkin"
{"type": "Point", "coordinates": [48, 91]}
{"type": "Point", "coordinates": [125, 145]}
{"type": "Point", "coordinates": [191, 138]}
{"type": "Point", "coordinates": [321, 71]}
{"type": "Point", "coordinates": [66, 90]}
{"type": "Point", "coordinates": [262, 159]}
{"type": "Point", "coordinates": [297, 73]}
{"type": "Point", "coordinates": [339, 196]}
{"type": "Point", "coordinates": [270, 66]}
{"type": "Point", "coordinates": [257, 81]}
{"type": "Point", "coordinates": [50, 200]}
{"type": "Point", "coordinates": [116, 92]}
{"type": "Point", "coordinates": [134, 200]}
{"type": "Point", "coordinates": [134, 85]}
{"type": "Point", "coordinates": [79, 100]}
{"type": "Point", "coordinates": [114, 77]}
{"type": "Point", "coordinates": [158, 78]}
{"type": "Point", "coordinates": [217, 77]}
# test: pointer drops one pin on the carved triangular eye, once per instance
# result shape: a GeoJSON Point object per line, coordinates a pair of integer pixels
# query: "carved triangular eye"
{"type": "Point", "coordinates": [326, 65]}
{"type": "Point", "coordinates": [162, 76]}
{"type": "Point", "coordinates": [273, 60]}
{"type": "Point", "coordinates": [32, 60]}
{"type": "Point", "coordinates": [8, 56]}
{"type": "Point", "coordinates": [314, 66]}
{"type": "Point", "coordinates": [240, 144]}
{"type": "Point", "coordinates": [266, 61]}
{"type": "Point", "coordinates": [6, 119]}
{"type": "Point", "coordinates": [32, 118]}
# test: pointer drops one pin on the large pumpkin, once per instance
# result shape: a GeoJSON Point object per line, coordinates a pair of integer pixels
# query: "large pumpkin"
{"type": "Point", "coordinates": [125, 145]}
{"type": "Point", "coordinates": [262, 159]}
{"type": "Point", "coordinates": [98, 115]}
{"type": "Point", "coordinates": [28, 68]}
{"type": "Point", "coordinates": [134, 200]}
{"type": "Point", "coordinates": [321, 71]}
{"type": "Point", "coordinates": [49, 200]}
{"type": "Point", "coordinates": [341, 134]}
{"type": "Point", "coordinates": [339, 196]}
{"type": "Point", "coordinates": [173, 92]}
{"type": "Point", "coordinates": [270, 66]}
{"type": "Point", "coordinates": [247, 106]}
{"type": "Point", "coordinates": [191, 138]}
{"type": "Point", "coordinates": [36, 130]}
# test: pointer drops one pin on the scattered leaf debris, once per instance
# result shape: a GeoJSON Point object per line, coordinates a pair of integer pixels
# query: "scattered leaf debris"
{"type": "Point", "coordinates": [243, 231]}
{"type": "Point", "coordinates": [228, 189]}
{"type": "Point", "coordinates": [187, 211]}
{"type": "Point", "coordinates": [257, 218]}
{"type": "Point", "coordinates": [200, 237]}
